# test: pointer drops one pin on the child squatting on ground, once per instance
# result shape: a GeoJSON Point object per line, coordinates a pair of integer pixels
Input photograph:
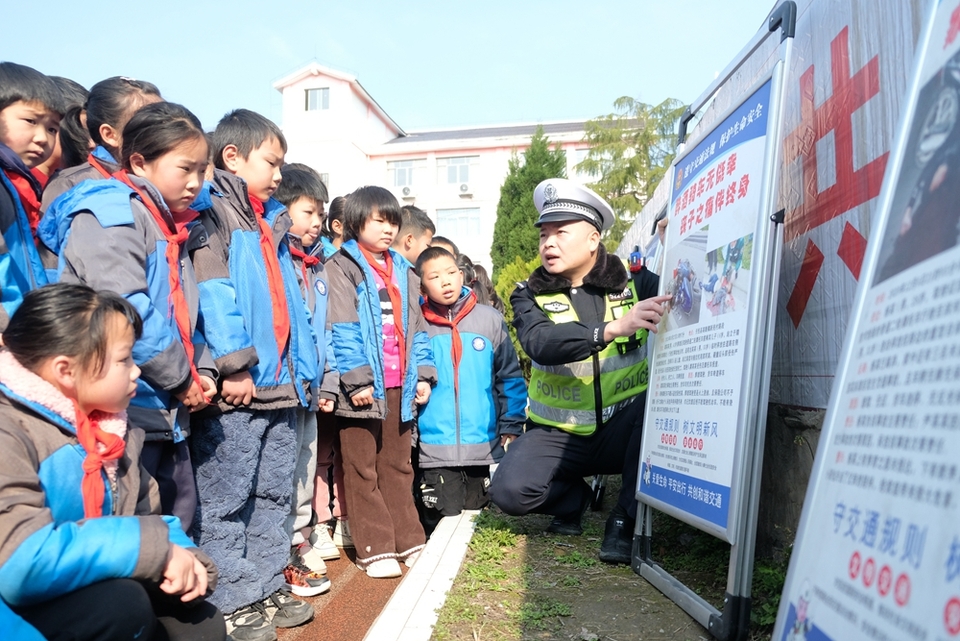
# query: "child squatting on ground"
{"type": "Point", "coordinates": [81, 531]}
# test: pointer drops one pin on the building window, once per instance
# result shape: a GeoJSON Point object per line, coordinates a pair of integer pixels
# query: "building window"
{"type": "Point", "coordinates": [579, 156]}
{"type": "Point", "coordinates": [455, 170]}
{"type": "Point", "coordinates": [405, 173]}
{"type": "Point", "coordinates": [318, 99]}
{"type": "Point", "coordinates": [459, 225]}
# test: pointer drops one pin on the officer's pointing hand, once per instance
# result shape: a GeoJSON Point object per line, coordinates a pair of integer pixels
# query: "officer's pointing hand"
{"type": "Point", "coordinates": [644, 315]}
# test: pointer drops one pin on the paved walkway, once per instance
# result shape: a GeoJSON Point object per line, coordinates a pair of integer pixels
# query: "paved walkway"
{"type": "Point", "coordinates": [405, 609]}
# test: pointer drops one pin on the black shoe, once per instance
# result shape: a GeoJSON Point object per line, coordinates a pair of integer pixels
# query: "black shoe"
{"type": "Point", "coordinates": [570, 526]}
{"type": "Point", "coordinates": [567, 527]}
{"type": "Point", "coordinates": [617, 546]}
{"type": "Point", "coordinates": [285, 611]}
{"type": "Point", "coordinates": [250, 624]}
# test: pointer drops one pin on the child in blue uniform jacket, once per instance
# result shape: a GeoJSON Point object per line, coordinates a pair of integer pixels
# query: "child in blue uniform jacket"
{"type": "Point", "coordinates": [29, 122]}
{"type": "Point", "coordinates": [304, 195]}
{"type": "Point", "coordinates": [83, 550]}
{"type": "Point", "coordinates": [479, 402]}
{"type": "Point", "coordinates": [132, 234]}
{"type": "Point", "coordinates": [386, 370]}
{"type": "Point", "coordinates": [258, 330]}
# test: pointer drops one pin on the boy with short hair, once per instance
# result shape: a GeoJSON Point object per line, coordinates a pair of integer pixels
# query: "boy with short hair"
{"type": "Point", "coordinates": [416, 232]}
{"type": "Point", "coordinates": [479, 378]}
{"type": "Point", "coordinates": [30, 112]}
{"type": "Point", "coordinates": [304, 195]}
{"type": "Point", "coordinates": [257, 327]}
{"type": "Point", "coordinates": [446, 243]}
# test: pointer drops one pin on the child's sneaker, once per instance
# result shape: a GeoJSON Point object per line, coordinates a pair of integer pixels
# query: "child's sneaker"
{"type": "Point", "coordinates": [411, 559]}
{"type": "Point", "coordinates": [341, 534]}
{"type": "Point", "coordinates": [303, 581]}
{"type": "Point", "coordinates": [286, 612]}
{"type": "Point", "coordinates": [309, 557]}
{"type": "Point", "coordinates": [383, 569]}
{"type": "Point", "coordinates": [251, 624]}
{"type": "Point", "coordinates": [321, 541]}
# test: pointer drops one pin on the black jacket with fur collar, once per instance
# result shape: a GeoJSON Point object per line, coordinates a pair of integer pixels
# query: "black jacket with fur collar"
{"type": "Point", "coordinates": [550, 343]}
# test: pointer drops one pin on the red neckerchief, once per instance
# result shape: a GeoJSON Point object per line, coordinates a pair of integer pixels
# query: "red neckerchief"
{"type": "Point", "coordinates": [100, 446]}
{"type": "Point", "coordinates": [29, 198]}
{"type": "Point", "coordinates": [456, 345]}
{"type": "Point", "coordinates": [393, 291]}
{"type": "Point", "coordinates": [278, 298]}
{"type": "Point", "coordinates": [96, 164]}
{"type": "Point", "coordinates": [41, 177]}
{"type": "Point", "coordinates": [307, 261]}
{"type": "Point", "coordinates": [175, 239]}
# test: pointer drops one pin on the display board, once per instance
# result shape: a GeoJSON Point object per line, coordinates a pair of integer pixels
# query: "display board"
{"type": "Point", "coordinates": [877, 554]}
{"type": "Point", "coordinates": [698, 398]}
{"type": "Point", "coordinates": [702, 447]}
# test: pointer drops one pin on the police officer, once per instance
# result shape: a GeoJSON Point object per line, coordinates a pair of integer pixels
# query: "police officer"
{"type": "Point", "coordinates": [583, 320]}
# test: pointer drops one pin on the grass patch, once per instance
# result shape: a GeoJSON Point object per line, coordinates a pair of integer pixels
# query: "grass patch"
{"type": "Point", "coordinates": [518, 583]}
{"type": "Point", "coordinates": [701, 562]}
{"type": "Point", "coordinates": [540, 612]}
{"type": "Point", "coordinates": [577, 559]}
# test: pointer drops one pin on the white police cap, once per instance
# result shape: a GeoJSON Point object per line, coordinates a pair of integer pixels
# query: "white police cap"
{"type": "Point", "coordinates": [559, 199]}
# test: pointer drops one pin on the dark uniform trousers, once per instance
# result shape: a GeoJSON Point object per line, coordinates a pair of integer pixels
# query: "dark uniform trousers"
{"type": "Point", "coordinates": [543, 470]}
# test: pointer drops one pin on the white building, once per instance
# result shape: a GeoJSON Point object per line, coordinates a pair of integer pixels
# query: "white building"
{"type": "Point", "coordinates": [333, 125]}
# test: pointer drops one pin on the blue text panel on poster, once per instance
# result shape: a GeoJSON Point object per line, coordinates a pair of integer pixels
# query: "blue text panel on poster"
{"type": "Point", "coordinates": [700, 498]}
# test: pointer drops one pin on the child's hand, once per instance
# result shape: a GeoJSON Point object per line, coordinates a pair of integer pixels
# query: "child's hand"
{"type": "Point", "coordinates": [363, 397]}
{"type": "Point", "coordinates": [325, 405]}
{"type": "Point", "coordinates": [506, 440]}
{"type": "Point", "coordinates": [184, 575]}
{"type": "Point", "coordinates": [209, 387]}
{"type": "Point", "coordinates": [193, 397]}
{"type": "Point", "coordinates": [423, 393]}
{"type": "Point", "coordinates": [238, 389]}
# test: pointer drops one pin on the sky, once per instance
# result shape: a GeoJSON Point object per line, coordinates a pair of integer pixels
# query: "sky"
{"type": "Point", "coordinates": [430, 65]}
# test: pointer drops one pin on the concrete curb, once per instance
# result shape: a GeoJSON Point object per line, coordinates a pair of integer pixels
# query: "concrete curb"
{"type": "Point", "coordinates": [412, 611]}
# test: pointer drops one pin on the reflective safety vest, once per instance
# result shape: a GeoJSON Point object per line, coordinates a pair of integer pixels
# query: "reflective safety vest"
{"type": "Point", "coordinates": [578, 396]}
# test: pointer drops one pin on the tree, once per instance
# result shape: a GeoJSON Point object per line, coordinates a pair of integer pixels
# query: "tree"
{"type": "Point", "coordinates": [510, 275]}
{"type": "Point", "coordinates": [514, 235]}
{"type": "Point", "coordinates": [630, 151]}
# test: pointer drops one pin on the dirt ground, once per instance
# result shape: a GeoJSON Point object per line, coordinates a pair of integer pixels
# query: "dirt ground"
{"type": "Point", "coordinates": [546, 586]}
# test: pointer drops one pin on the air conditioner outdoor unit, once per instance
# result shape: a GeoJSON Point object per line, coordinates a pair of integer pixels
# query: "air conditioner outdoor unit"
{"type": "Point", "coordinates": [408, 192]}
{"type": "Point", "coordinates": [466, 190]}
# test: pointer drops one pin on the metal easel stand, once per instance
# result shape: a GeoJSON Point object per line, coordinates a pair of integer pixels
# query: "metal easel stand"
{"type": "Point", "coordinates": [733, 623]}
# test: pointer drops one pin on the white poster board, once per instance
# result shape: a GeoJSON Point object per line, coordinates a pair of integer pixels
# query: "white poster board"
{"type": "Point", "coordinates": [697, 401]}
{"type": "Point", "coordinates": [877, 554]}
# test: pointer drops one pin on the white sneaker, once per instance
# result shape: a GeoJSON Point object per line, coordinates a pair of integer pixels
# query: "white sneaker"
{"type": "Point", "coordinates": [383, 569]}
{"type": "Point", "coordinates": [311, 558]}
{"type": "Point", "coordinates": [322, 543]}
{"type": "Point", "coordinates": [411, 559]}
{"type": "Point", "coordinates": [341, 534]}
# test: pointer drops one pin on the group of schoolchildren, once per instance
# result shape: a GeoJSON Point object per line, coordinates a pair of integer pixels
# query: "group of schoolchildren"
{"type": "Point", "coordinates": [202, 370]}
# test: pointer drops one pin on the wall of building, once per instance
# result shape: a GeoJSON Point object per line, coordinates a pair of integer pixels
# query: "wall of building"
{"type": "Point", "coordinates": [353, 144]}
